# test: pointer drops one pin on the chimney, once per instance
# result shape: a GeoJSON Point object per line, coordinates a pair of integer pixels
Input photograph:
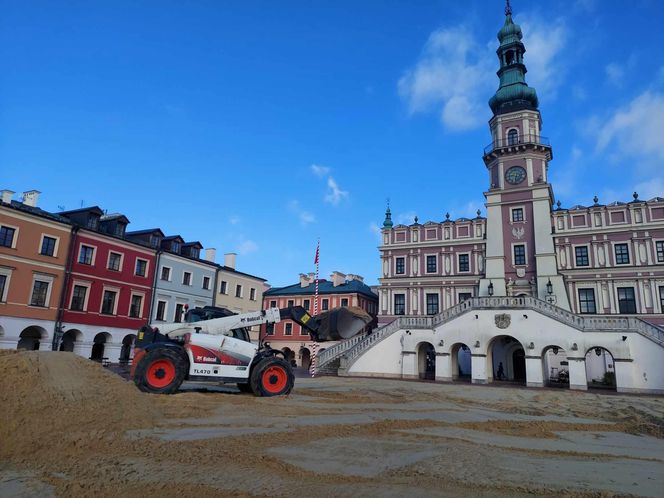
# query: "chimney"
{"type": "Point", "coordinates": [7, 195]}
{"type": "Point", "coordinates": [229, 259]}
{"type": "Point", "coordinates": [359, 278]}
{"type": "Point", "coordinates": [31, 197]}
{"type": "Point", "coordinates": [210, 254]}
{"type": "Point", "coordinates": [337, 278]}
{"type": "Point", "coordinates": [304, 280]}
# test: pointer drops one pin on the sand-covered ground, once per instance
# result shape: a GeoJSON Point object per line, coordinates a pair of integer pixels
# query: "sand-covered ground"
{"type": "Point", "coordinates": [69, 427]}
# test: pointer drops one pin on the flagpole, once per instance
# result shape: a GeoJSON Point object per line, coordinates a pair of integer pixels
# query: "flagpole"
{"type": "Point", "coordinates": [314, 346]}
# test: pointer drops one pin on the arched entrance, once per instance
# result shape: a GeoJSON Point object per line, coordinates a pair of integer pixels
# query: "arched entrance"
{"type": "Point", "coordinates": [555, 367]}
{"type": "Point", "coordinates": [31, 338]}
{"type": "Point", "coordinates": [426, 361]}
{"type": "Point", "coordinates": [305, 356]}
{"type": "Point", "coordinates": [600, 368]}
{"type": "Point", "coordinates": [69, 340]}
{"type": "Point", "coordinates": [506, 360]}
{"type": "Point", "coordinates": [461, 362]}
{"type": "Point", "coordinates": [99, 345]}
{"type": "Point", "coordinates": [289, 354]}
{"type": "Point", "coordinates": [127, 348]}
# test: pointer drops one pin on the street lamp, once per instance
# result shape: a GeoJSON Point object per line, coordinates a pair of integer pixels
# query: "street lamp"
{"type": "Point", "coordinates": [490, 288]}
{"type": "Point", "coordinates": [549, 287]}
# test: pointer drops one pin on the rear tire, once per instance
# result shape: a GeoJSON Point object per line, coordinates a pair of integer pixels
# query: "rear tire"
{"type": "Point", "coordinates": [272, 377]}
{"type": "Point", "coordinates": [161, 371]}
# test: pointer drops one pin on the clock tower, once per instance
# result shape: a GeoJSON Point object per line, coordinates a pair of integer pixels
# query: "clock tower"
{"type": "Point", "coordinates": [520, 258]}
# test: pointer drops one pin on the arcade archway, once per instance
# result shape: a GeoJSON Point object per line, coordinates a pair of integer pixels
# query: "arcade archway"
{"type": "Point", "coordinates": [127, 348]}
{"type": "Point", "coordinates": [600, 368]}
{"type": "Point", "coordinates": [461, 362]}
{"type": "Point", "coordinates": [31, 338]}
{"type": "Point", "coordinates": [99, 346]}
{"type": "Point", "coordinates": [426, 361]}
{"type": "Point", "coordinates": [555, 367]}
{"type": "Point", "coordinates": [506, 360]}
{"type": "Point", "coordinates": [70, 340]}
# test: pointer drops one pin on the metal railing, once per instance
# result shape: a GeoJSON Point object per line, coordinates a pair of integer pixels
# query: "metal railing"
{"type": "Point", "coordinates": [515, 141]}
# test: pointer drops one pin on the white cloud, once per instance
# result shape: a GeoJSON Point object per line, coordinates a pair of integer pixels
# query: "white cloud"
{"type": "Point", "coordinates": [635, 130]}
{"type": "Point", "coordinates": [469, 209]}
{"type": "Point", "coordinates": [544, 40]}
{"type": "Point", "coordinates": [374, 228]}
{"type": "Point", "coordinates": [454, 75]}
{"type": "Point", "coordinates": [319, 171]}
{"type": "Point", "coordinates": [234, 219]}
{"type": "Point", "coordinates": [615, 74]}
{"type": "Point", "coordinates": [653, 187]}
{"type": "Point", "coordinates": [302, 214]}
{"type": "Point", "coordinates": [334, 193]}
{"type": "Point", "coordinates": [247, 246]}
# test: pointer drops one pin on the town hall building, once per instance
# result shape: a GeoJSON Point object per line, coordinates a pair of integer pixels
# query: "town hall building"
{"type": "Point", "coordinates": [534, 293]}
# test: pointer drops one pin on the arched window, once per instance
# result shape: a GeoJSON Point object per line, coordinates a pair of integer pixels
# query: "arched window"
{"type": "Point", "coordinates": [512, 137]}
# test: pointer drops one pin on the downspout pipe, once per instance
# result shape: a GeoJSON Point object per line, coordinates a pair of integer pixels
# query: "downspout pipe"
{"type": "Point", "coordinates": [58, 329]}
{"type": "Point", "coordinates": [154, 286]}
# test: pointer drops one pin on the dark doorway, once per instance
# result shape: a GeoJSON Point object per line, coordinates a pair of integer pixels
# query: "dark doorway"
{"type": "Point", "coordinates": [519, 363]}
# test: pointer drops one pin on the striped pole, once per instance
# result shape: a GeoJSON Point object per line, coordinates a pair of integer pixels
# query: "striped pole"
{"type": "Point", "coordinates": [314, 346]}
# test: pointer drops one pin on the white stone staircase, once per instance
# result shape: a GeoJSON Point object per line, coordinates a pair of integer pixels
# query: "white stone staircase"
{"type": "Point", "coordinates": [347, 351]}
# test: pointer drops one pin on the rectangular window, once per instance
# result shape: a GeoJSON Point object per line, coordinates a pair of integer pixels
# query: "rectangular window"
{"type": "Point", "coordinates": [85, 255]}
{"type": "Point", "coordinates": [223, 288]}
{"type": "Point", "coordinates": [288, 329]}
{"type": "Point", "coordinates": [179, 310]}
{"type": "Point", "coordinates": [432, 304]}
{"type": "Point", "coordinates": [659, 246]}
{"type": "Point", "coordinates": [464, 262]}
{"type": "Point", "coordinates": [325, 305]}
{"type": "Point", "coordinates": [517, 214]}
{"type": "Point", "coordinates": [399, 304]}
{"type": "Point", "coordinates": [520, 255]}
{"type": "Point", "coordinates": [238, 290]}
{"type": "Point", "coordinates": [661, 299]}
{"type": "Point", "coordinates": [186, 278]}
{"type": "Point", "coordinates": [273, 304]}
{"type": "Point", "coordinates": [622, 254]}
{"type": "Point", "coordinates": [581, 256]}
{"type": "Point", "coordinates": [626, 300]}
{"type": "Point", "coordinates": [587, 301]}
{"type": "Point", "coordinates": [464, 296]}
{"type": "Point", "coordinates": [291, 303]}
{"type": "Point", "coordinates": [48, 246]}
{"type": "Point", "coordinates": [3, 283]}
{"type": "Point", "coordinates": [252, 294]}
{"type": "Point", "coordinates": [141, 267]}
{"type": "Point", "coordinates": [206, 283]}
{"type": "Point", "coordinates": [165, 273]}
{"type": "Point", "coordinates": [344, 302]}
{"type": "Point", "coordinates": [39, 292]}
{"type": "Point", "coordinates": [306, 304]}
{"type": "Point", "coordinates": [269, 330]}
{"type": "Point", "coordinates": [108, 303]}
{"type": "Point", "coordinates": [78, 298]}
{"type": "Point", "coordinates": [114, 261]}
{"type": "Point", "coordinates": [6, 236]}
{"type": "Point", "coordinates": [431, 264]}
{"type": "Point", "coordinates": [161, 310]}
{"type": "Point", "coordinates": [400, 267]}
{"type": "Point", "coordinates": [136, 305]}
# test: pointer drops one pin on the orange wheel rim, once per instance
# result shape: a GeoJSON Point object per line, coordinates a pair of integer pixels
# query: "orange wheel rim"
{"type": "Point", "coordinates": [161, 373]}
{"type": "Point", "coordinates": [275, 379]}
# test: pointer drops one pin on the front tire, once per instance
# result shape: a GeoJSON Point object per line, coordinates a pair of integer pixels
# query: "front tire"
{"type": "Point", "coordinates": [272, 377]}
{"type": "Point", "coordinates": [161, 371]}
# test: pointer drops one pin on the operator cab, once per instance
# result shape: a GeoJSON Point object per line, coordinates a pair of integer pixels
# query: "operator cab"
{"type": "Point", "coordinates": [211, 312]}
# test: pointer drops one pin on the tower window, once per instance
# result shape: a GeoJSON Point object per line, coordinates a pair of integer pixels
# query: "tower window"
{"type": "Point", "coordinates": [512, 137]}
{"type": "Point", "coordinates": [520, 255]}
{"type": "Point", "coordinates": [510, 57]}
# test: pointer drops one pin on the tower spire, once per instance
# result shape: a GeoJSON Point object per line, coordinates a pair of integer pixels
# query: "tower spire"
{"type": "Point", "coordinates": [513, 94]}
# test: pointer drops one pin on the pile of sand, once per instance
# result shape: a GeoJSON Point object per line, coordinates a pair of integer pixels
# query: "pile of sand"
{"type": "Point", "coordinates": [52, 399]}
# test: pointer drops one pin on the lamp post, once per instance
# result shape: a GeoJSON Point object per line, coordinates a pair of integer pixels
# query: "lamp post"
{"type": "Point", "coordinates": [490, 288]}
{"type": "Point", "coordinates": [549, 287]}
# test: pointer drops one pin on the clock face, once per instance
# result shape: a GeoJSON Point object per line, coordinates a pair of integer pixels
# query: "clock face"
{"type": "Point", "coordinates": [516, 174]}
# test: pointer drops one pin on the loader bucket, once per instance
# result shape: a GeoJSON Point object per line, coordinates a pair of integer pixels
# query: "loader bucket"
{"type": "Point", "coordinates": [340, 323]}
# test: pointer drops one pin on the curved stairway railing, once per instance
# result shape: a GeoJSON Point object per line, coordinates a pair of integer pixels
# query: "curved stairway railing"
{"type": "Point", "coordinates": [352, 348]}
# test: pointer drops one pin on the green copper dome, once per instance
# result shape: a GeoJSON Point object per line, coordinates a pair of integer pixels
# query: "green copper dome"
{"type": "Point", "coordinates": [513, 94]}
{"type": "Point", "coordinates": [388, 219]}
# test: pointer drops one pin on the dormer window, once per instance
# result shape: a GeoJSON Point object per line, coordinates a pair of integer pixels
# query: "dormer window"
{"type": "Point", "coordinates": [120, 229]}
{"type": "Point", "coordinates": [93, 222]}
{"type": "Point", "coordinates": [175, 247]}
{"type": "Point", "coordinates": [154, 241]}
{"type": "Point", "coordinates": [512, 137]}
{"type": "Point", "coordinates": [194, 253]}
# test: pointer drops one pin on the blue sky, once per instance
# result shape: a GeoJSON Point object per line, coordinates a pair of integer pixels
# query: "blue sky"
{"type": "Point", "coordinates": [259, 127]}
